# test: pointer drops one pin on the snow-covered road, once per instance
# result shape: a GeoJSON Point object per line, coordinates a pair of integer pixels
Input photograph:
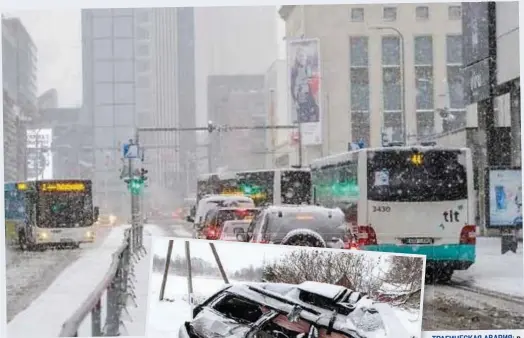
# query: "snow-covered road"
{"type": "Point", "coordinates": [501, 273]}
{"type": "Point", "coordinates": [30, 273]}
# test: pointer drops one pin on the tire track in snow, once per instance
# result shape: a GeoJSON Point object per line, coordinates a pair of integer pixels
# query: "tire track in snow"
{"type": "Point", "coordinates": [29, 273]}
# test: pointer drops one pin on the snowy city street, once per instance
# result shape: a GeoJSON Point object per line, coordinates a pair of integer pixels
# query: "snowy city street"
{"type": "Point", "coordinates": [37, 281]}
{"type": "Point", "coordinates": [488, 295]}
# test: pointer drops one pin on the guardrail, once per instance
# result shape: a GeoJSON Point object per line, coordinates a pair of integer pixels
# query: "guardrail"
{"type": "Point", "coordinates": [118, 288]}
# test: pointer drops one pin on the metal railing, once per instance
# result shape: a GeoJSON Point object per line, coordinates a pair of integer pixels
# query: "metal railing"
{"type": "Point", "coordinates": [117, 285]}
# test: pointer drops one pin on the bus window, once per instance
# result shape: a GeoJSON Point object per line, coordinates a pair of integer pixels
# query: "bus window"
{"type": "Point", "coordinates": [258, 185]}
{"type": "Point", "coordinates": [295, 187]}
{"type": "Point", "coordinates": [407, 176]}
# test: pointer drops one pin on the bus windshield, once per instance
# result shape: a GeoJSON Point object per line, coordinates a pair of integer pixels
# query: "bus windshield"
{"type": "Point", "coordinates": [258, 185]}
{"type": "Point", "coordinates": [295, 187]}
{"type": "Point", "coordinates": [64, 209]}
{"type": "Point", "coordinates": [14, 204]}
{"type": "Point", "coordinates": [411, 176]}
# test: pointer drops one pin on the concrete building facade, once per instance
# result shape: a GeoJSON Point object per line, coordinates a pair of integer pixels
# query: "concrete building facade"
{"type": "Point", "coordinates": [19, 68]}
{"type": "Point", "coordinates": [378, 61]}
{"type": "Point", "coordinates": [137, 72]}
{"type": "Point", "coordinates": [237, 100]}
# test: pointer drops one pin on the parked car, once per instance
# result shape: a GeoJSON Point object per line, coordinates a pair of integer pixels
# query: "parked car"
{"type": "Point", "coordinates": [213, 224]}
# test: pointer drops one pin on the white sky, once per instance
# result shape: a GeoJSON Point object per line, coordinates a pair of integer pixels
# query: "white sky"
{"type": "Point", "coordinates": [57, 35]}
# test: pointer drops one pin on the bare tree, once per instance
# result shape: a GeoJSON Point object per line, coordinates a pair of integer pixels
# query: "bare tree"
{"type": "Point", "coordinates": [405, 271]}
{"type": "Point", "coordinates": [327, 267]}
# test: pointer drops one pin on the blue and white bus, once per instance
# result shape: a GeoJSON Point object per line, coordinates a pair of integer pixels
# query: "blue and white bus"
{"type": "Point", "coordinates": [405, 200]}
{"type": "Point", "coordinates": [14, 195]}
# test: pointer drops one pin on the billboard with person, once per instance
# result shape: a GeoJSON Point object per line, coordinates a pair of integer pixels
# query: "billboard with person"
{"type": "Point", "coordinates": [505, 197]}
{"type": "Point", "coordinates": [305, 88]}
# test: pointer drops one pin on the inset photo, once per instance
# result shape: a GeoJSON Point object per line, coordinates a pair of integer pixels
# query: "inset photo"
{"type": "Point", "coordinates": [201, 289]}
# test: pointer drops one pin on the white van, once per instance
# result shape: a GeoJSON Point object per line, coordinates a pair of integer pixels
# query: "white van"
{"type": "Point", "coordinates": [212, 201]}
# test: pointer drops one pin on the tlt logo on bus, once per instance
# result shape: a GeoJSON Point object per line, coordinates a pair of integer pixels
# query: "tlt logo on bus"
{"type": "Point", "coordinates": [451, 216]}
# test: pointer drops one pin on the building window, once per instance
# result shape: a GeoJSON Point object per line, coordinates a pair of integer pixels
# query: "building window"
{"type": "Point", "coordinates": [357, 14]}
{"type": "Point", "coordinates": [455, 12]}
{"type": "Point", "coordinates": [360, 127]}
{"type": "Point", "coordinates": [142, 33]}
{"type": "Point", "coordinates": [424, 80]}
{"type": "Point", "coordinates": [358, 52]}
{"type": "Point", "coordinates": [455, 87]}
{"type": "Point", "coordinates": [142, 50]}
{"type": "Point", "coordinates": [454, 49]}
{"type": "Point", "coordinates": [143, 66]}
{"type": "Point", "coordinates": [389, 13]}
{"type": "Point", "coordinates": [390, 51]}
{"type": "Point", "coordinates": [425, 123]}
{"type": "Point", "coordinates": [359, 89]}
{"type": "Point", "coordinates": [422, 12]}
{"type": "Point", "coordinates": [392, 126]}
{"type": "Point", "coordinates": [391, 88]}
{"type": "Point", "coordinates": [423, 49]}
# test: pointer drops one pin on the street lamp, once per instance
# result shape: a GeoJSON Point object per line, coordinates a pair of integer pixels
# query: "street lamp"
{"type": "Point", "coordinates": [403, 74]}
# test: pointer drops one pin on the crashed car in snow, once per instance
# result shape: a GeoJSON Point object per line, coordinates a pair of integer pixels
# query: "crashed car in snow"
{"type": "Point", "coordinates": [273, 310]}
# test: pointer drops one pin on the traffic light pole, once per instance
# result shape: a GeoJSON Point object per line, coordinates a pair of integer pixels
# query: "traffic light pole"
{"type": "Point", "coordinates": [212, 128]}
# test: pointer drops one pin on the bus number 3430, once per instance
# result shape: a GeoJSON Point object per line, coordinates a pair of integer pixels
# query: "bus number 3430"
{"type": "Point", "coordinates": [381, 209]}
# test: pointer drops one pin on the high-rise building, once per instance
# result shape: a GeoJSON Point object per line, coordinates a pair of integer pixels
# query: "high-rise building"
{"type": "Point", "coordinates": [237, 100]}
{"type": "Point", "coordinates": [385, 69]}
{"type": "Point", "coordinates": [19, 68]}
{"type": "Point", "coordinates": [132, 74]}
{"type": "Point", "coordinates": [231, 41]}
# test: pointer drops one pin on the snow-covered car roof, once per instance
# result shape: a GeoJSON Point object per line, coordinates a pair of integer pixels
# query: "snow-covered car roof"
{"type": "Point", "coordinates": [217, 198]}
{"type": "Point", "coordinates": [327, 290]}
{"type": "Point", "coordinates": [304, 208]}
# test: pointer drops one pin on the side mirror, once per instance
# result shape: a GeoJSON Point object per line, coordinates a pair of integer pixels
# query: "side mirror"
{"type": "Point", "coordinates": [96, 213]}
{"type": "Point", "coordinates": [241, 237]}
{"type": "Point", "coordinates": [189, 219]}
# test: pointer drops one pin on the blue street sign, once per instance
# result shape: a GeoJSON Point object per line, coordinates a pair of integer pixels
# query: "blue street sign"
{"type": "Point", "coordinates": [130, 150]}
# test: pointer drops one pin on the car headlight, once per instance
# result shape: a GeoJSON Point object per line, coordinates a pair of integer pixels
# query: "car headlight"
{"type": "Point", "coordinates": [112, 219]}
{"type": "Point", "coordinates": [90, 234]}
{"type": "Point", "coordinates": [43, 235]}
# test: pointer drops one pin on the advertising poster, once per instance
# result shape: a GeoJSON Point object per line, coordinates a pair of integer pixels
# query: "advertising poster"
{"type": "Point", "coordinates": [505, 197]}
{"type": "Point", "coordinates": [305, 88]}
{"type": "Point", "coordinates": [39, 155]}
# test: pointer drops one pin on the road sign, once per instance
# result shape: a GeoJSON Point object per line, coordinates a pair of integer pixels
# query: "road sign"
{"type": "Point", "coordinates": [130, 150]}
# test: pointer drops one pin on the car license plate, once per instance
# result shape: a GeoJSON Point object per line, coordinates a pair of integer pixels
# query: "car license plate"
{"type": "Point", "coordinates": [417, 240]}
{"type": "Point", "coordinates": [66, 240]}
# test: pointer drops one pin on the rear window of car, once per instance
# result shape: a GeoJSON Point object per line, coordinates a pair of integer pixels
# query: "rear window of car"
{"type": "Point", "coordinates": [308, 220]}
{"type": "Point", "coordinates": [222, 216]}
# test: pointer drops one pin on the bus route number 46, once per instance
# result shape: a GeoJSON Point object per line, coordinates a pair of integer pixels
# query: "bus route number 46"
{"type": "Point", "coordinates": [381, 208]}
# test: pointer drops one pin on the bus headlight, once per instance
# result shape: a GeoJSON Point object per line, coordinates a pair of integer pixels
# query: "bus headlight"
{"type": "Point", "coordinates": [42, 235]}
{"type": "Point", "coordinates": [112, 219]}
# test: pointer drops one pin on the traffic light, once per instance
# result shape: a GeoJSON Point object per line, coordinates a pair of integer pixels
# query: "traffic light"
{"type": "Point", "coordinates": [135, 186]}
{"type": "Point", "coordinates": [210, 127]}
{"type": "Point", "coordinates": [143, 174]}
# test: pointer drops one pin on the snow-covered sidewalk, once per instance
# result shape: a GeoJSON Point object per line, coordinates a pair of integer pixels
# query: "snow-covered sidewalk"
{"type": "Point", "coordinates": [45, 316]}
{"type": "Point", "coordinates": [136, 326]}
{"type": "Point", "coordinates": [493, 271]}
